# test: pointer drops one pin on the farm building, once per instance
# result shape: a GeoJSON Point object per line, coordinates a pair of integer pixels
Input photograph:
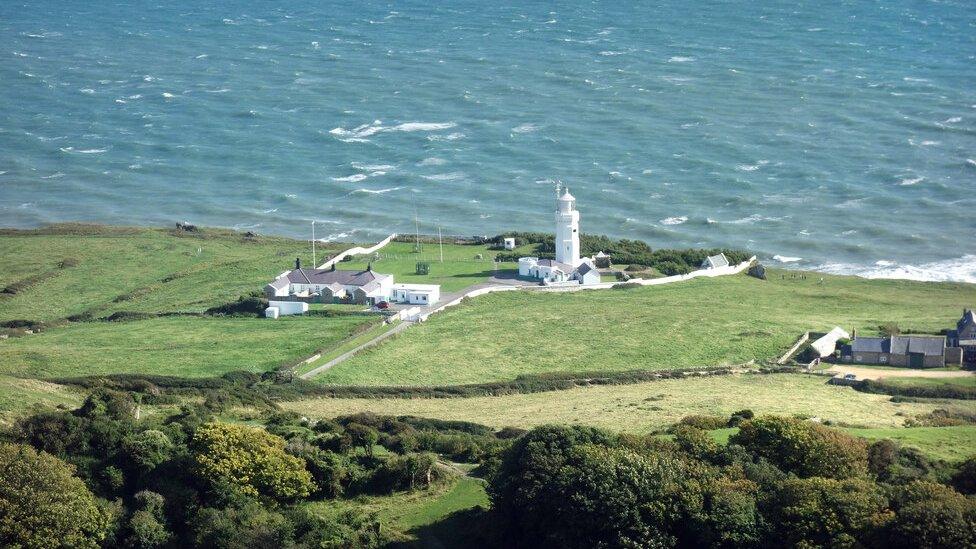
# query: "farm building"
{"type": "Point", "coordinates": [333, 285]}
{"type": "Point", "coordinates": [964, 336]}
{"type": "Point", "coordinates": [910, 351]}
{"type": "Point", "coordinates": [416, 294]}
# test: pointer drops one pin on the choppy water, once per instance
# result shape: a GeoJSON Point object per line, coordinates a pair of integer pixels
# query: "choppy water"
{"type": "Point", "coordinates": [837, 135]}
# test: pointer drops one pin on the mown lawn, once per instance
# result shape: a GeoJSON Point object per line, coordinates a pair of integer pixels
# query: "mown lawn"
{"type": "Point", "coordinates": [178, 346]}
{"type": "Point", "coordinates": [703, 322]}
{"type": "Point", "coordinates": [107, 269]}
{"type": "Point", "coordinates": [645, 407]}
{"type": "Point", "coordinates": [460, 268]}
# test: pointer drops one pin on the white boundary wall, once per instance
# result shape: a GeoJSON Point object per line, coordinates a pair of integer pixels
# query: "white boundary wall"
{"type": "Point", "coordinates": [718, 271]}
{"type": "Point", "coordinates": [357, 251]}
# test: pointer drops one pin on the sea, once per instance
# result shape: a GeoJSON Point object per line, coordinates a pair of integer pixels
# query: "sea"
{"type": "Point", "coordinates": [837, 136]}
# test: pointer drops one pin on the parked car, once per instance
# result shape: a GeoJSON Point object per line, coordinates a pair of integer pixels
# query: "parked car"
{"type": "Point", "coordinates": [382, 305]}
{"type": "Point", "coordinates": [850, 376]}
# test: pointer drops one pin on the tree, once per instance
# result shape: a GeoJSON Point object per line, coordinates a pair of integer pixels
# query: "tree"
{"type": "Point", "coordinates": [363, 436]}
{"type": "Point", "coordinates": [932, 515]}
{"type": "Point", "coordinates": [147, 449]}
{"type": "Point", "coordinates": [147, 525]}
{"type": "Point", "coordinates": [822, 512]}
{"type": "Point", "coordinates": [42, 503]}
{"type": "Point", "coordinates": [964, 479]}
{"type": "Point", "coordinates": [248, 460]}
{"type": "Point", "coordinates": [803, 448]}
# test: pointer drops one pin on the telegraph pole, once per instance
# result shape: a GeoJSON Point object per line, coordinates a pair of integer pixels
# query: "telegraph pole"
{"type": "Point", "coordinates": [441, 240]}
{"type": "Point", "coordinates": [314, 265]}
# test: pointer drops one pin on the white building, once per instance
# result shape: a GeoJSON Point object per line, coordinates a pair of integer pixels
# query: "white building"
{"type": "Point", "coordinates": [416, 294]}
{"type": "Point", "coordinates": [714, 261]}
{"type": "Point", "coordinates": [568, 266]}
{"type": "Point", "coordinates": [363, 287]}
{"type": "Point", "coordinates": [509, 243]}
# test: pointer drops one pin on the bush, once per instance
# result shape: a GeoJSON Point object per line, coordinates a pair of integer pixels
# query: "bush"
{"type": "Point", "coordinates": [408, 472]}
{"type": "Point", "coordinates": [931, 515]}
{"type": "Point", "coordinates": [703, 422]}
{"type": "Point", "coordinates": [246, 305]}
{"type": "Point", "coordinates": [803, 448]}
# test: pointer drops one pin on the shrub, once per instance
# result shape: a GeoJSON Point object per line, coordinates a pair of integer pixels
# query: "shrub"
{"type": "Point", "coordinates": [932, 515]}
{"type": "Point", "coordinates": [408, 472]}
{"type": "Point", "coordinates": [42, 503]}
{"type": "Point", "coordinates": [248, 460]}
{"type": "Point", "coordinates": [704, 422]}
{"type": "Point", "coordinates": [964, 479]}
{"type": "Point", "coordinates": [246, 305]}
{"type": "Point", "coordinates": [802, 447]}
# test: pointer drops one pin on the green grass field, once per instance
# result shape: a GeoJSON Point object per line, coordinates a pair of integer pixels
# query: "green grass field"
{"type": "Point", "coordinates": [967, 381]}
{"type": "Point", "coordinates": [18, 396]}
{"type": "Point", "coordinates": [178, 345]}
{"type": "Point", "coordinates": [703, 322]}
{"type": "Point", "coordinates": [127, 269]}
{"type": "Point", "coordinates": [459, 270]}
{"type": "Point", "coordinates": [347, 345]}
{"type": "Point", "coordinates": [948, 443]}
{"type": "Point", "coordinates": [415, 516]}
{"type": "Point", "coordinates": [645, 407]}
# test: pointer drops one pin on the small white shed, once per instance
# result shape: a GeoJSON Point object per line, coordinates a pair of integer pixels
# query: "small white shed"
{"type": "Point", "coordinates": [289, 307]}
{"type": "Point", "coordinates": [509, 243]}
{"type": "Point", "coordinates": [271, 312]}
{"type": "Point", "coordinates": [417, 294]}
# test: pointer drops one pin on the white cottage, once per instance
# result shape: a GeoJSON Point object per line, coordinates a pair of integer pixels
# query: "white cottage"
{"type": "Point", "coordinates": [568, 266]}
{"type": "Point", "coordinates": [364, 287]}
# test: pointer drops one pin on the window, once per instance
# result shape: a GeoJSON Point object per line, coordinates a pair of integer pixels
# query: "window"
{"type": "Point", "coordinates": [882, 358]}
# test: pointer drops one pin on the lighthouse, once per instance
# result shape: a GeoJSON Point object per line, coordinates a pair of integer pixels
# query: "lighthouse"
{"type": "Point", "coordinates": [567, 229]}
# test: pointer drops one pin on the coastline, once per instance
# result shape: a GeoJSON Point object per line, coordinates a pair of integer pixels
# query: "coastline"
{"type": "Point", "coordinates": [960, 269]}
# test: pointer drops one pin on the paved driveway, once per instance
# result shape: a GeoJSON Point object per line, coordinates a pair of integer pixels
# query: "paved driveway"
{"type": "Point", "coordinates": [878, 373]}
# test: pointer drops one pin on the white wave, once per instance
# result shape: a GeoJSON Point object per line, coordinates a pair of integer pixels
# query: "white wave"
{"type": "Point", "coordinates": [26, 205]}
{"type": "Point", "coordinates": [911, 180]}
{"type": "Point", "coordinates": [168, 95]}
{"type": "Point", "coordinates": [953, 120]}
{"type": "Point", "coordinates": [4, 172]}
{"type": "Point", "coordinates": [375, 191]}
{"type": "Point", "coordinates": [971, 162]}
{"type": "Point", "coordinates": [432, 161]}
{"type": "Point", "coordinates": [525, 128]}
{"type": "Point", "coordinates": [754, 218]}
{"type": "Point", "coordinates": [87, 91]}
{"type": "Point", "coordinates": [710, 221]}
{"type": "Point", "coordinates": [484, 216]}
{"type": "Point", "coordinates": [367, 130]}
{"type": "Point", "coordinates": [270, 210]}
{"type": "Point", "coordinates": [609, 53]}
{"type": "Point", "coordinates": [120, 101]}
{"type": "Point", "coordinates": [678, 220]}
{"type": "Point", "coordinates": [680, 59]}
{"type": "Point", "coordinates": [815, 29]}
{"type": "Point", "coordinates": [148, 78]}
{"type": "Point", "coordinates": [912, 79]}
{"type": "Point", "coordinates": [452, 176]}
{"type": "Point", "coordinates": [291, 196]}
{"type": "Point", "coordinates": [56, 175]}
{"type": "Point", "coordinates": [135, 96]}
{"type": "Point", "coordinates": [351, 178]}
{"type": "Point", "coordinates": [221, 90]}
{"type": "Point", "coordinates": [751, 167]}
{"type": "Point", "coordinates": [786, 258]}
{"type": "Point", "coordinates": [373, 167]}
{"type": "Point", "coordinates": [82, 151]}
{"type": "Point", "coordinates": [960, 269]}
{"type": "Point", "coordinates": [202, 56]}
{"type": "Point", "coordinates": [449, 137]}
{"type": "Point", "coordinates": [884, 263]}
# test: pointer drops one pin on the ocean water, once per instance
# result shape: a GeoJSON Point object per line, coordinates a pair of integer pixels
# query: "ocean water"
{"type": "Point", "coordinates": [832, 135]}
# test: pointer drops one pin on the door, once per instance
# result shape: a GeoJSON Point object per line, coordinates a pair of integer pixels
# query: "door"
{"type": "Point", "coordinates": [916, 360]}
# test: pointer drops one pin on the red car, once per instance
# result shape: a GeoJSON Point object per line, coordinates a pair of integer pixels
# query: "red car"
{"type": "Point", "coordinates": [382, 305]}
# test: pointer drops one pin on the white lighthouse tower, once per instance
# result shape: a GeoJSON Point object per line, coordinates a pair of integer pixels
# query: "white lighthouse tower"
{"type": "Point", "coordinates": [567, 229]}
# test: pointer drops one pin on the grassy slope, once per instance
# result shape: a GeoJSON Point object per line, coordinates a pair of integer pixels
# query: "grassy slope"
{"type": "Point", "coordinates": [459, 270]}
{"type": "Point", "coordinates": [17, 396]}
{"type": "Point", "coordinates": [968, 381]}
{"type": "Point", "coordinates": [181, 346]}
{"type": "Point", "coordinates": [703, 322]}
{"type": "Point", "coordinates": [948, 443]}
{"type": "Point", "coordinates": [648, 406]}
{"type": "Point", "coordinates": [160, 270]}
{"type": "Point", "coordinates": [414, 515]}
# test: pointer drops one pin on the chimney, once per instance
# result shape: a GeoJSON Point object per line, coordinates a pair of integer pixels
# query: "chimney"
{"type": "Point", "coordinates": [333, 267]}
{"type": "Point", "coordinates": [369, 266]}
{"type": "Point", "coordinates": [298, 263]}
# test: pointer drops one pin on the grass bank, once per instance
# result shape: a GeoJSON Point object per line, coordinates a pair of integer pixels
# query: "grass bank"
{"type": "Point", "coordinates": [645, 407]}
{"type": "Point", "coordinates": [703, 322]}
{"type": "Point", "coordinates": [177, 345]}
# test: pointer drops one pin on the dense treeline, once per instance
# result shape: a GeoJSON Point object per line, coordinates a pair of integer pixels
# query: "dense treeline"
{"type": "Point", "coordinates": [622, 251]}
{"type": "Point", "coordinates": [780, 482]}
{"type": "Point", "coordinates": [98, 476]}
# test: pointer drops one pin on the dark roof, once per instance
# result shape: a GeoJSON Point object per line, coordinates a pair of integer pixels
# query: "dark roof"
{"type": "Point", "coordinates": [870, 345]}
{"type": "Point", "coordinates": [328, 276]}
{"type": "Point", "coordinates": [968, 317]}
{"type": "Point", "coordinates": [929, 346]}
{"type": "Point", "coordinates": [584, 268]}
